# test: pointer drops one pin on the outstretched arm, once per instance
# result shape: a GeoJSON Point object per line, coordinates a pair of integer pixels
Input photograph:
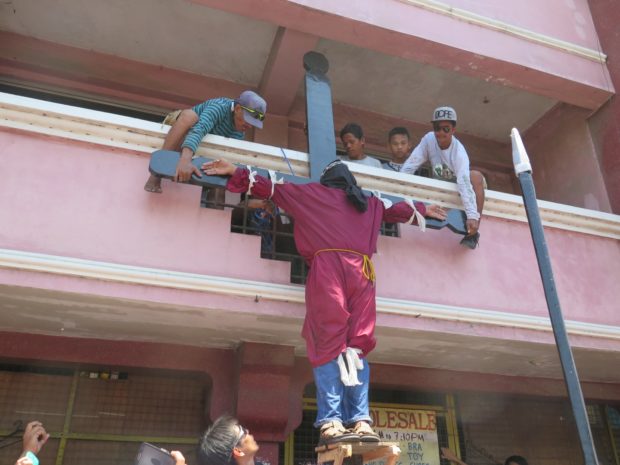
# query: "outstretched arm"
{"type": "Point", "coordinates": [240, 180]}
{"type": "Point", "coordinates": [417, 157]}
{"type": "Point", "coordinates": [401, 212]}
{"type": "Point", "coordinates": [219, 168]}
{"type": "Point", "coordinates": [287, 196]}
{"type": "Point", "coordinates": [451, 456]}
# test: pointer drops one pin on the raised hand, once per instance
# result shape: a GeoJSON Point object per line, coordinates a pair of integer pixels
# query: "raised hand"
{"type": "Point", "coordinates": [35, 437]}
{"type": "Point", "coordinates": [437, 212]}
{"type": "Point", "coordinates": [178, 457]}
{"type": "Point", "coordinates": [185, 169]}
{"type": "Point", "coordinates": [472, 226]}
{"type": "Point", "coordinates": [451, 456]}
{"type": "Point", "coordinates": [218, 168]}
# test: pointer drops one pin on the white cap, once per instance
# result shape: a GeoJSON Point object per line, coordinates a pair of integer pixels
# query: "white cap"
{"type": "Point", "coordinates": [444, 114]}
{"type": "Point", "coordinates": [256, 105]}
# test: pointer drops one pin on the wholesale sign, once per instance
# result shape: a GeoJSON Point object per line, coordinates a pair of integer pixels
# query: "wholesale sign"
{"type": "Point", "coordinates": [414, 430]}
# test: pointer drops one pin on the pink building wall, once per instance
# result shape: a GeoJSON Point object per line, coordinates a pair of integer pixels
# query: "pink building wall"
{"type": "Point", "coordinates": [96, 209]}
{"type": "Point", "coordinates": [565, 166]}
{"type": "Point", "coordinates": [568, 20]}
{"type": "Point", "coordinates": [605, 124]}
{"type": "Point", "coordinates": [476, 51]}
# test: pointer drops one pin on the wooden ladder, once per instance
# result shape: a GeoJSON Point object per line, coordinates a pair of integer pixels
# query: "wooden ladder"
{"type": "Point", "coordinates": [369, 451]}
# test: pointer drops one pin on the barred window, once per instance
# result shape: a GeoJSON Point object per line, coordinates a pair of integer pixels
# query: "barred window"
{"type": "Point", "coordinates": [100, 417]}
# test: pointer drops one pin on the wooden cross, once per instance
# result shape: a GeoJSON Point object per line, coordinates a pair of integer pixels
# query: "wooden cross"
{"type": "Point", "coordinates": [321, 145]}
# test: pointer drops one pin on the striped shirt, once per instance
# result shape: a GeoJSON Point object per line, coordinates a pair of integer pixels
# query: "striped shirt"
{"type": "Point", "coordinates": [215, 116]}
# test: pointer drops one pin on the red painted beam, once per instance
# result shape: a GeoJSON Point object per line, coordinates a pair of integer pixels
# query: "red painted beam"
{"type": "Point", "coordinates": [284, 71]}
{"type": "Point", "coordinates": [551, 78]}
{"type": "Point", "coordinates": [50, 64]}
{"type": "Point", "coordinates": [218, 364]}
{"type": "Point", "coordinates": [433, 380]}
{"type": "Point", "coordinates": [605, 124]}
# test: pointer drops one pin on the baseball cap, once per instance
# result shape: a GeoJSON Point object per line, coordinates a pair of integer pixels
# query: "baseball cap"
{"type": "Point", "coordinates": [444, 114]}
{"type": "Point", "coordinates": [254, 108]}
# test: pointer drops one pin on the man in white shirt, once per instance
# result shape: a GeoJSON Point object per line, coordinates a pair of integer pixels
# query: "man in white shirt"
{"type": "Point", "coordinates": [449, 162]}
{"type": "Point", "coordinates": [352, 138]}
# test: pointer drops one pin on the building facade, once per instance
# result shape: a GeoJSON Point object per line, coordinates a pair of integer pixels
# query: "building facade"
{"type": "Point", "coordinates": [128, 316]}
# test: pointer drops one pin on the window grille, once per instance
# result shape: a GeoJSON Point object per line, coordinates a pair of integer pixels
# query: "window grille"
{"type": "Point", "coordinates": [100, 418]}
{"type": "Point", "coordinates": [277, 241]}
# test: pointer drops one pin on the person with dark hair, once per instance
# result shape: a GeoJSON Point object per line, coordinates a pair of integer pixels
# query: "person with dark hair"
{"type": "Point", "coordinates": [450, 162]}
{"type": "Point", "coordinates": [447, 454]}
{"type": "Point", "coordinates": [336, 231]}
{"type": "Point", "coordinates": [352, 137]}
{"type": "Point", "coordinates": [399, 143]}
{"type": "Point", "coordinates": [226, 442]}
{"type": "Point", "coordinates": [515, 460]}
{"type": "Point", "coordinates": [220, 116]}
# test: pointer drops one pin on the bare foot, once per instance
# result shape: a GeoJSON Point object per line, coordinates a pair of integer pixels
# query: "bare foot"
{"type": "Point", "coordinates": [153, 184]}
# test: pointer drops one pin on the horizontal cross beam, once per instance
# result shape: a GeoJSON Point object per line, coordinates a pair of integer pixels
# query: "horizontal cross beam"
{"type": "Point", "coordinates": [163, 164]}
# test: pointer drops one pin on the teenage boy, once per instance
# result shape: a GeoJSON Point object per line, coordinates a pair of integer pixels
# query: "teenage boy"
{"type": "Point", "coordinates": [352, 137]}
{"type": "Point", "coordinates": [399, 143]}
{"type": "Point", "coordinates": [449, 162]}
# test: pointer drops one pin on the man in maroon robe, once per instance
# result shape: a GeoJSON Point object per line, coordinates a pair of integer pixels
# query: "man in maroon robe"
{"type": "Point", "coordinates": [336, 231]}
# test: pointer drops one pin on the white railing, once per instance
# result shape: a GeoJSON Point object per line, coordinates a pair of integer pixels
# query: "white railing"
{"type": "Point", "coordinates": [142, 136]}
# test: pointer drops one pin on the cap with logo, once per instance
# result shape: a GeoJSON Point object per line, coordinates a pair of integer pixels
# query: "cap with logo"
{"type": "Point", "coordinates": [444, 114]}
{"type": "Point", "coordinates": [254, 108]}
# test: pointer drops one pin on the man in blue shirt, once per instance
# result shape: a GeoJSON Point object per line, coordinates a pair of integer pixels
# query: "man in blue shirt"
{"type": "Point", "coordinates": [220, 116]}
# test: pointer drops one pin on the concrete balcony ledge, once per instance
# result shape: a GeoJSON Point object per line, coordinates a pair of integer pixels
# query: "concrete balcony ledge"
{"type": "Point", "coordinates": [286, 293]}
{"type": "Point", "coordinates": [111, 130]}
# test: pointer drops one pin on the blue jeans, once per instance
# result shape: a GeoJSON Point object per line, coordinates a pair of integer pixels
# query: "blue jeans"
{"type": "Point", "coordinates": [335, 401]}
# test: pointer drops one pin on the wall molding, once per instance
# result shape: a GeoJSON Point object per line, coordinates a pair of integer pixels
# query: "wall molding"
{"type": "Point", "coordinates": [73, 123]}
{"type": "Point", "coordinates": [127, 274]}
{"type": "Point", "coordinates": [510, 29]}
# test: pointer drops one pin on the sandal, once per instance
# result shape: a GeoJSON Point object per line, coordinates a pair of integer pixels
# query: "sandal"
{"type": "Point", "coordinates": [333, 431]}
{"type": "Point", "coordinates": [365, 432]}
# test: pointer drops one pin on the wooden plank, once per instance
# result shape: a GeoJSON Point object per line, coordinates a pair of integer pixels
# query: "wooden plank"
{"type": "Point", "coordinates": [382, 452]}
{"type": "Point", "coordinates": [335, 453]}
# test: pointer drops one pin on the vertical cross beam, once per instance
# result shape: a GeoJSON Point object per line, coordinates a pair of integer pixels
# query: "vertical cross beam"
{"type": "Point", "coordinates": [319, 114]}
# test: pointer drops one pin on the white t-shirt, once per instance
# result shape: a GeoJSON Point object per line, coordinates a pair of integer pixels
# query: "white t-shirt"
{"type": "Point", "coordinates": [369, 161]}
{"type": "Point", "coordinates": [392, 166]}
{"type": "Point", "coordinates": [455, 158]}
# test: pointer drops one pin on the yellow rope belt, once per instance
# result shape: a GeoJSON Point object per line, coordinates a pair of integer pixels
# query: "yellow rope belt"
{"type": "Point", "coordinates": [368, 269]}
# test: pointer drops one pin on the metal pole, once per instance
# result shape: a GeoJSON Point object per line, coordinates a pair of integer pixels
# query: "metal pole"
{"type": "Point", "coordinates": [523, 170]}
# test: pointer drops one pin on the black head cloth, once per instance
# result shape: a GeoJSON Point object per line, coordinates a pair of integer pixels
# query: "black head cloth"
{"type": "Point", "coordinates": [338, 176]}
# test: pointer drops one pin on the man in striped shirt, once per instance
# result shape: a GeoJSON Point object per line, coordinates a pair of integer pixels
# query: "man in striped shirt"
{"type": "Point", "coordinates": [220, 116]}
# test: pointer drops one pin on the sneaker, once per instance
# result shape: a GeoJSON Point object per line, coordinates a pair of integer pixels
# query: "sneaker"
{"type": "Point", "coordinates": [471, 241]}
